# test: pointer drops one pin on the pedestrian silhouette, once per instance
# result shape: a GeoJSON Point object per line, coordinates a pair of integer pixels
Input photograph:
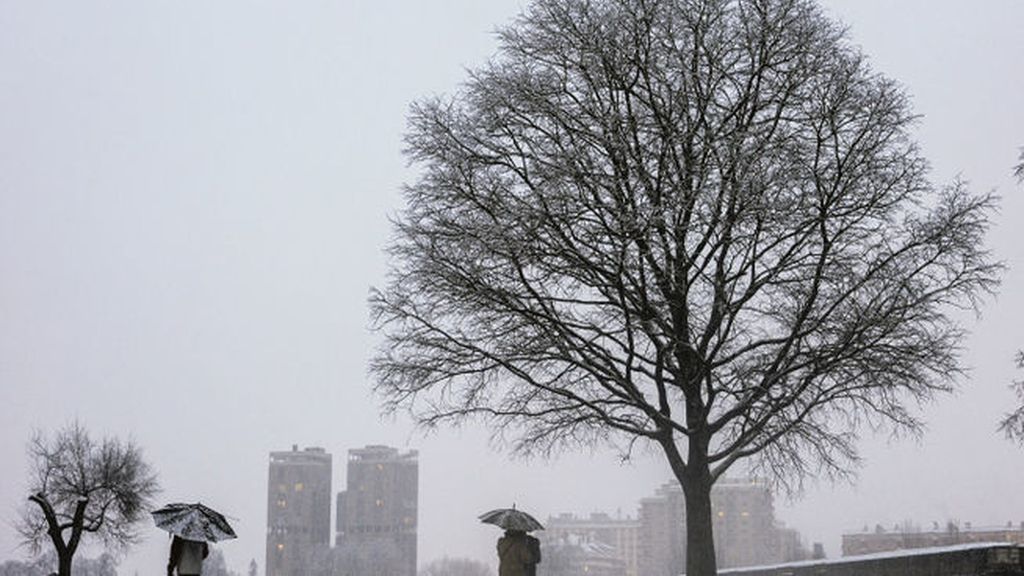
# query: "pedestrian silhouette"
{"type": "Point", "coordinates": [187, 557]}
{"type": "Point", "coordinates": [518, 554]}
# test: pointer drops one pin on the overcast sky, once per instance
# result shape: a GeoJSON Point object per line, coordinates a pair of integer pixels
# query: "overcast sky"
{"type": "Point", "coordinates": [193, 205]}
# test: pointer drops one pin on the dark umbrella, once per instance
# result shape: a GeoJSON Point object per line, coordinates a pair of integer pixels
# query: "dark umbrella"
{"type": "Point", "coordinates": [511, 519]}
{"type": "Point", "coordinates": [193, 522]}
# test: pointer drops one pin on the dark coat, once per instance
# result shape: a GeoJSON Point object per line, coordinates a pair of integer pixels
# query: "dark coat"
{"type": "Point", "coordinates": [177, 547]}
{"type": "Point", "coordinates": [513, 554]}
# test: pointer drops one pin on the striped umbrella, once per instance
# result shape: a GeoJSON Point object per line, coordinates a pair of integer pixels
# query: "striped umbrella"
{"type": "Point", "coordinates": [193, 522]}
{"type": "Point", "coordinates": [511, 519]}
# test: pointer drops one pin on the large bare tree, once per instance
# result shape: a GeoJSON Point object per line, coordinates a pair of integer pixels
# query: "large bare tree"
{"type": "Point", "coordinates": [80, 487]}
{"type": "Point", "coordinates": [700, 225]}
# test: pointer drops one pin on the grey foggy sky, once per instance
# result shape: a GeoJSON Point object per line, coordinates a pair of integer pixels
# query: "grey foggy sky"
{"type": "Point", "coordinates": [193, 203]}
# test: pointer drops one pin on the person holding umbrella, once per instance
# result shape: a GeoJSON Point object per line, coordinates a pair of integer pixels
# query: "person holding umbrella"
{"type": "Point", "coordinates": [187, 556]}
{"type": "Point", "coordinates": [518, 552]}
{"type": "Point", "coordinates": [192, 525]}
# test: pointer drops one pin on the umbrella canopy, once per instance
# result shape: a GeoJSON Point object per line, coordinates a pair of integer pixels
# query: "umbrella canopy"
{"type": "Point", "coordinates": [193, 522]}
{"type": "Point", "coordinates": [511, 519]}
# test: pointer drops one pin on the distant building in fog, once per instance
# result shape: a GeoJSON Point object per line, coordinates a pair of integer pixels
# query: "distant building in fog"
{"type": "Point", "coordinates": [908, 536]}
{"type": "Point", "coordinates": [598, 543]}
{"type": "Point", "coordinates": [790, 547]}
{"type": "Point", "coordinates": [743, 515]}
{"type": "Point", "coordinates": [377, 514]}
{"type": "Point", "coordinates": [662, 541]}
{"type": "Point", "coordinates": [298, 510]}
{"type": "Point", "coordinates": [743, 518]}
{"type": "Point", "coordinates": [571, 556]}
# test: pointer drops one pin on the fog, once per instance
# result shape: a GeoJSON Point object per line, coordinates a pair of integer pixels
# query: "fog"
{"type": "Point", "coordinates": [193, 205]}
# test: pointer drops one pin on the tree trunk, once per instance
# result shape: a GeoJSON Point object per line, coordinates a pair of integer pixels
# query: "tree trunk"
{"type": "Point", "coordinates": [700, 543]}
{"type": "Point", "coordinates": [64, 564]}
{"type": "Point", "coordinates": [694, 476]}
{"type": "Point", "coordinates": [65, 550]}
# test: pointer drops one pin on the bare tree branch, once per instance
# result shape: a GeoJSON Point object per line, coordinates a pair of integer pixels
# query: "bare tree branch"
{"type": "Point", "coordinates": [1013, 423]}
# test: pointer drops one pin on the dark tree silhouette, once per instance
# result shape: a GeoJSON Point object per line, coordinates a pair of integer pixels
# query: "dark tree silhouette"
{"type": "Point", "coordinates": [701, 225]}
{"type": "Point", "coordinates": [80, 487]}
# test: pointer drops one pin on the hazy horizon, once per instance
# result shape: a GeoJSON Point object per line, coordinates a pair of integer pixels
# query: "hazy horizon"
{"type": "Point", "coordinates": [194, 203]}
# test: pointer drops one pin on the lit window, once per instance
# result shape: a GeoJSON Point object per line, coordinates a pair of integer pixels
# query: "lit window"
{"type": "Point", "coordinates": [298, 486]}
{"type": "Point", "coordinates": [721, 514]}
{"type": "Point", "coordinates": [280, 547]}
{"type": "Point", "coordinates": [282, 503]}
{"type": "Point", "coordinates": [379, 502]}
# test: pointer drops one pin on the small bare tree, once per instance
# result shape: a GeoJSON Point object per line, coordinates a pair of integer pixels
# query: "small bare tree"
{"type": "Point", "coordinates": [702, 225]}
{"type": "Point", "coordinates": [80, 487]}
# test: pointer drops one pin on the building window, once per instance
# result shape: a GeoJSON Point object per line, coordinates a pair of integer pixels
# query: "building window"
{"type": "Point", "coordinates": [298, 486]}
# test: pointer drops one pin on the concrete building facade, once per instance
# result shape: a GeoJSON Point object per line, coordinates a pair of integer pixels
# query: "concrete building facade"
{"type": "Point", "coordinates": [743, 519]}
{"type": "Point", "coordinates": [574, 557]}
{"type": "Point", "coordinates": [662, 537]}
{"type": "Point", "coordinates": [597, 538]}
{"type": "Point", "coordinates": [743, 515]}
{"type": "Point", "coordinates": [910, 537]}
{"type": "Point", "coordinates": [298, 510]}
{"type": "Point", "coordinates": [377, 514]}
